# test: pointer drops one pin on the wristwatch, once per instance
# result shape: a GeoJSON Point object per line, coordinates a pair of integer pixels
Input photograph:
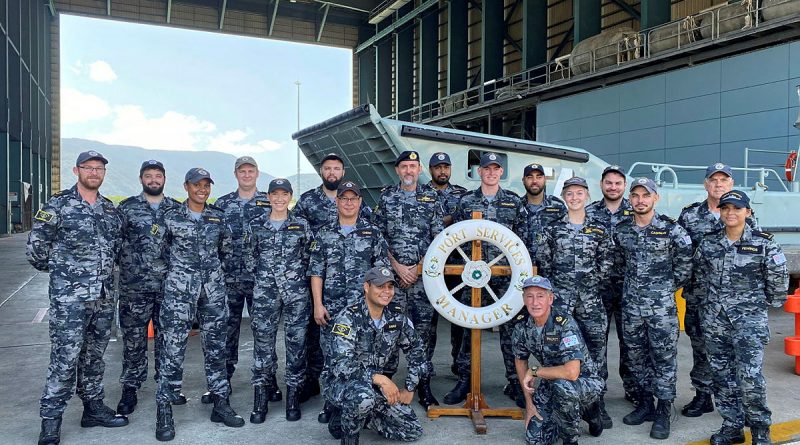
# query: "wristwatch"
{"type": "Point", "coordinates": [533, 370]}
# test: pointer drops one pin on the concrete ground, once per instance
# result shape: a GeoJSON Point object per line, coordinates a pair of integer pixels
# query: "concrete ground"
{"type": "Point", "coordinates": [25, 355]}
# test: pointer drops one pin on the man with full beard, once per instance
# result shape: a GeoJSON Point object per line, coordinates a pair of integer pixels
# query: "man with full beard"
{"type": "Point", "coordinates": [141, 277]}
{"type": "Point", "coordinates": [540, 208]}
{"type": "Point", "coordinates": [318, 207]}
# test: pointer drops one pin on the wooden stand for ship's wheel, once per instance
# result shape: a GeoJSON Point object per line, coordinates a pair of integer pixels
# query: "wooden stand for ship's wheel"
{"type": "Point", "coordinates": [476, 407]}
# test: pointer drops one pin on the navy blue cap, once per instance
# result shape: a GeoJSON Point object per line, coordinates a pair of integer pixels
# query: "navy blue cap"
{"type": "Point", "coordinates": [379, 276]}
{"type": "Point", "coordinates": [197, 174]}
{"type": "Point", "coordinates": [348, 186]}
{"type": "Point", "coordinates": [530, 168]}
{"type": "Point", "coordinates": [612, 169]}
{"type": "Point", "coordinates": [245, 160]}
{"type": "Point", "coordinates": [719, 167]}
{"type": "Point", "coordinates": [537, 281]}
{"type": "Point", "coordinates": [330, 156]}
{"type": "Point", "coordinates": [408, 155]}
{"type": "Point", "coordinates": [439, 158]}
{"type": "Point", "coordinates": [152, 163]}
{"type": "Point", "coordinates": [735, 198]}
{"type": "Point", "coordinates": [88, 156]}
{"type": "Point", "coordinates": [280, 184]}
{"type": "Point", "coordinates": [647, 183]}
{"type": "Point", "coordinates": [576, 181]}
{"type": "Point", "coordinates": [490, 158]}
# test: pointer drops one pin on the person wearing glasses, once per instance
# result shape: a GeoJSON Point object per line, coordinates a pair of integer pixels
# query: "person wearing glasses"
{"type": "Point", "coordinates": [76, 237]}
{"type": "Point", "coordinates": [318, 207]}
{"type": "Point", "coordinates": [340, 255]}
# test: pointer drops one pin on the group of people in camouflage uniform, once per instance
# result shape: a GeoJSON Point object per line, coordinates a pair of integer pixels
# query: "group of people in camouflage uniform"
{"type": "Point", "coordinates": [344, 279]}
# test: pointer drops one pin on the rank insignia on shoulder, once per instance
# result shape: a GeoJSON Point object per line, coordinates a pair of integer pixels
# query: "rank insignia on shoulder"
{"type": "Point", "coordinates": [43, 216]}
{"type": "Point", "coordinates": [668, 219]}
{"type": "Point", "coordinates": [765, 235]}
{"type": "Point", "coordinates": [561, 320]}
{"type": "Point", "coordinates": [520, 317]}
{"type": "Point", "coordinates": [154, 229]}
{"type": "Point", "coordinates": [341, 329]}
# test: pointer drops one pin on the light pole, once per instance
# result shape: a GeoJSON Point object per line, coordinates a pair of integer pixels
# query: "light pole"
{"type": "Point", "coordinates": [297, 82]}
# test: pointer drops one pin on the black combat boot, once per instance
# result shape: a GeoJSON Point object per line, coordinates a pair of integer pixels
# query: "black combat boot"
{"type": "Point", "coordinates": [645, 411]}
{"type": "Point", "coordinates": [335, 425]}
{"type": "Point", "coordinates": [260, 405]}
{"type": "Point", "coordinates": [223, 412]}
{"type": "Point", "coordinates": [325, 415]}
{"type": "Point", "coordinates": [349, 439]}
{"type": "Point", "coordinates": [180, 399]}
{"type": "Point", "coordinates": [760, 435]}
{"type": "Point", "coordinates": [310, 389]}
{"type": "Point", "coordinates": [127, 403]}
{"type": "Point", "coordinates": [594, 419]}
{"type": "Point", "coordinates": [206, 398]}
{"type": "Point", "coordinates": [96, 413]}
{"type": "Point", "coordinates": [459, 392]}
{"type": "Point", "coordinates": [700, 404]}
{"type": "Point", "coordinates": [727, 435]}
{"type": "Point", "coordinates": [515, 393]}
{"type": "Point", "coordinates": [292, 404]}
{"type": "Point", "coordinates": [660, 428]}
{"type": "Point", "coordinates": [51, 431]}
{"type": "Point", "coordinates": [570, 441]}
{"type": "Point", "coordinates": [165, 427]}
{"type": "Point", "coordinates": [426, 397]}
{"type": "Point", "coordinates": [604, 417]}
{"type": "Point", "coordinates": [274, 393]}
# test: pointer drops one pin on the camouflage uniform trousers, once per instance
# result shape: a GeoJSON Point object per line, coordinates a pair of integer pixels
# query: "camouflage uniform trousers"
{"type": "Point", "coordinates": [499, 286]}
{"type": "Point", "coordinates": [700, 374]}
{"type": "Point", "coordinates": [361, 403]}
{"type": "Point", "coordinates": [652, 334]}
{"type": "Point", "coordinates": [735, 345]}
{"type": "Point", "coordinates": [315, 360]}
{"type": "Point", "coordinates": [561, 403]}
{"type": "Point", "coordinates": [79, 334]}
{"type": "Point", "coordinates": [590, 315]}
{"type": "Point", "coordinates": [238, 293]}
{"type": "Point", "coordinates": [266, 315]}
{"type": "Point", "coordinates": [612, 301]}
{"type": "Point", "coordinates": [135, 312]}
{"type": "Point", "coordinates": [419, 310]}
{"type": "Point", "coordinates": [175, 322]}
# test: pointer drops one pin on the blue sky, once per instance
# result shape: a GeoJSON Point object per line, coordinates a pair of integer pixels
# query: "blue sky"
{"type": "Point", "coordinates": [168, 88]}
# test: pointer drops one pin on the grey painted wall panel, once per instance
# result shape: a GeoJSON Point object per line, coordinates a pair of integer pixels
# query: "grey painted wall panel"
{"type": "Point", "coordinates": [696, 115]}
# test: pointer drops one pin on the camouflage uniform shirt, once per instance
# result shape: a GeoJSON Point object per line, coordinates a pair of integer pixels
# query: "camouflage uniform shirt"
{"type": "Point", "coordinates": [315, 207]}
{"type": "Point", "coordinates": [237, 218]}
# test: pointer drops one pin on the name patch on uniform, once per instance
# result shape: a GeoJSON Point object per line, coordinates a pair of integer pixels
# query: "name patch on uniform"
{"type": "Point", "coordinates": [590, 230]}
{"type": "Point", "coordinates": [425, 199]}
{"type": "Point", "coordinates": [506, 204]}
{"type": "Point", "coordinates": [552, 209]}
{"type": "Point", "coordinates": [570, 341]}
{"type": "Point", "coordinates": [212, 219]}
{"type": "Point", "coordinates": [779, 259]}
{"type": "Point", "coordinates": [551, 339]}
{"type": "Point", "coordinates": [750, 250]}
{"type": "Point", "coordinates": [43, 216]}
{"type": "Point", "coordinates": [294, 227]}
{"type": "Point", "coordinates": [154, 229]}
{"type": "Point", "coordinates": [391, 327]}
{"type": "Point", "coordinates": [262, 204]}
{"type": "Point", "coordinates": [364, 232]}
{"type": "Point", "coordinates": [341, 329]}
{"type": "Point", "coordinates": [657, 233]}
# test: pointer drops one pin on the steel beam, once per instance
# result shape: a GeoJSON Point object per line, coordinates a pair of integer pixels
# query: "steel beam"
{"type": "Point", "coordinates": [534, 33]}
{"type": "Point", "coordinates": [169, 10]}
{"type": "Point", "coordinates": [586, 19]}
{"type": "Point", "coordinates": [383, 77]}
{"type": "Point", "coordinates": [52, 7]}
{"type": "Point", "coordinates": [629, 9]}
{"type": "Point", "coordinates": [108, 7]}
{"type": "Point", "coordinates": [321, 27]}
{"type": "Point", "coordinates": [5, 209]}
{"type": "Point", "coordinates": [272, 17]}
{"type": "Point", "coordinates": [492, 32]}
{"type": "Point", "coordinates": [655, 12]}
{"type": "Point", "coordinates": [15, 179]}
{"type": "Point", "coordinates": [398, 23]}
{"type": "Point", "coordinates": [404, 72]}
{"type": "Point", "coordinates": [221, 13]}
{"type": "Point", "coordinates": [429, 58]}
{"type": "Point", "coordinates": [563, 43]}
{"type": "Point", "coordinates": [457, 46]}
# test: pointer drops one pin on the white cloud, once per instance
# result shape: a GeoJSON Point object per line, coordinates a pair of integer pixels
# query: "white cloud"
{"type": "Point", "coordinates": [76, 67]}
{"type": "Point", "coordinates": [172, 131]}
{"type": "Point", "coordinates": [235, 143]}
{"type": "Point", "coordinates": [101, 71]}
{"type": "Point", "coordinates": [77, 107]}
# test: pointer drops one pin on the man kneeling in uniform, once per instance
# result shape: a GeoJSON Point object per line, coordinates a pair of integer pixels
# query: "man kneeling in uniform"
{"type": "Point", "coordinates": [365, 336]}
{"type": "Point", "coordinates": [570, 383]}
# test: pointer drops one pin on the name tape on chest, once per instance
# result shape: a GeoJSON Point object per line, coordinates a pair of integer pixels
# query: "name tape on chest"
{"type": "Point", "coordinates": [212, 219]}
{"type": "Point", "coordinates": [746, 249]}
{"type": "Point", "coordinates": [657, 233]}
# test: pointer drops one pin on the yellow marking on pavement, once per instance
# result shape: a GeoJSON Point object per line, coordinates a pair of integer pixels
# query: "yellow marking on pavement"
{"type": "Point", "coordinates": [780, 432]}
